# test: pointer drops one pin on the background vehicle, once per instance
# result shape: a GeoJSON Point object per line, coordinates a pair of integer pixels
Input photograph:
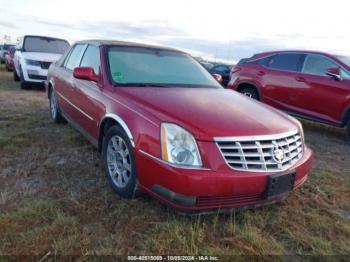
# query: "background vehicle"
{"type": "Point", "coordinates": [9, 59]}
{"type": "Point", "coordinates": [33, 57]}
{"type": "Point", "coordinates": [224, 71]}
{"type": "Point", "coordinates": [3, 51]}
{"type": "Point", "coordinates": [149, 111]}
{"type": "Point", "coordinates": [312, 85]}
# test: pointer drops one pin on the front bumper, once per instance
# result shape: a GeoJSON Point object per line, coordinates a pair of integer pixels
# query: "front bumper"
{"type": "Point", "coordinates": [34, 74]}
{"type": "Point", "coordinates": [193, 190]}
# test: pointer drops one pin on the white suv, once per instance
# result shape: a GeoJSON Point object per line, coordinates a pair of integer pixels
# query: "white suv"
{"type": "Point", "coordinates": [33, 57]}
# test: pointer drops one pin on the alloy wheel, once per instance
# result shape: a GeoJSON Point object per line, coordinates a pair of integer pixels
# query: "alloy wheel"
{"type": "Point", "coordinates": [118, 161]}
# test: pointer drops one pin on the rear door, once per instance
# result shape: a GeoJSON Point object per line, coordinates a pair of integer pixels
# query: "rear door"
{"type": "Point", "coordinates": [282, 82]}
{"type": "Point", "coordinates": [88, 93]}
{"type": "Point", "coordinates": [325, 96]}
{"type": "Point", "coordinates": [65, 85]}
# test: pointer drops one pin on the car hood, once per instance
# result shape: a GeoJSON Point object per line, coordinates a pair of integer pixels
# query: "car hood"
{"type": "Point", "coordinates": [44, 57]}
{"type": "Point", "coordinates": [209, 112]}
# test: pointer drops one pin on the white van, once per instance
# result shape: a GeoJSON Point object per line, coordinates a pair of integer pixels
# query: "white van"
{"type": "Point", "coordinates": [33, 57]}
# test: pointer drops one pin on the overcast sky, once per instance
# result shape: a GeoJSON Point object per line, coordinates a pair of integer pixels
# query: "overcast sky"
{"type": "Point", "coordinates": [213, 29]}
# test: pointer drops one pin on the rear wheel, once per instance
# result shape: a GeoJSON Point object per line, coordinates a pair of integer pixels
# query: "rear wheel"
{"type": "Point", "coordinates": [250, 92]}
{"type": "Point", "coordinates": [119, 162]}
{"type": "Point", "coordinates": [54, 110]}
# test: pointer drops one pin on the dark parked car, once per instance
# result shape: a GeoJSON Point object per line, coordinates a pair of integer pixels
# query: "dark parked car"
{"type": "Point", "coordinates": [312, 85]}
{"type": "Point", "coordinates": [166, 127]}
{"type": "Point", "coordinates": [224, 71]}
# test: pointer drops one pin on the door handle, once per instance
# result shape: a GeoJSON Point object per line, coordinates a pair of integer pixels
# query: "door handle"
{"type": "Point", "coordinates": [300, 79]}
{"type": "Point", "coordinates": [261, 73]}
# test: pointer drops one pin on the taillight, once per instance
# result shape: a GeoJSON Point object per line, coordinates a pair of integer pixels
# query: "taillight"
{"type": "Point", "coordinates": [235, 69]}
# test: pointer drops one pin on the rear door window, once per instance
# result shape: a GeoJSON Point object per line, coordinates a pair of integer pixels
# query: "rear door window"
{"type": "Point", "coordinates": [91, 58]}
{"type": "Point", "coordinates": [286, 62]}
{"type": "Point", "coordinates": [74, 57]}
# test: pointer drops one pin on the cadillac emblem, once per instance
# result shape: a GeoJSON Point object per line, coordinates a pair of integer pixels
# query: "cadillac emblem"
{"type": "Point", "coordinates": [278, 154]}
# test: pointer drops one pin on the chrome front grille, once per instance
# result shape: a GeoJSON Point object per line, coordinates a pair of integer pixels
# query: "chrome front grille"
{"type": "Point", "coordinates": [261, 153]}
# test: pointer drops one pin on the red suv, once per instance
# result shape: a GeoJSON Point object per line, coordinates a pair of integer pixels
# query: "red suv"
{"type": "Point", "coordinates": [311, 85]}
{"type": "Point", "coordinates": [166, 127]}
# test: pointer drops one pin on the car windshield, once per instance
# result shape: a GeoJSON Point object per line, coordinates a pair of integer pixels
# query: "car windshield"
{"type": "Point", "coordinates": [344, 59]}
{"type": "Point", "coordinates": [140, 66]}
{"type": "Point", "coordinates": [45, 45]}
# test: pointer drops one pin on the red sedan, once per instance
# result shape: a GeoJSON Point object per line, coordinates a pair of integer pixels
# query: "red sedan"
{"type": "Point", "coordinates": [166, 127]}
{"type": "Point", "coordinates": [9, 55]}
{"type": "Point", "coordinates": [311, 85]}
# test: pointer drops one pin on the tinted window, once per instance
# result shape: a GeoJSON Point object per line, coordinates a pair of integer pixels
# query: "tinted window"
{"type": "Point", "coordinates": [288, 62]}
{"type": "Point", "coordinates": [130, 65]}
{"type": "Point", "coordinates": [265, 60]}
{"type": "Point", "coordinates": [91, 58]}
{"type": "Point", "coordinates": [74, 58]}
{"type": "Point", "coordinates": [45, 45]}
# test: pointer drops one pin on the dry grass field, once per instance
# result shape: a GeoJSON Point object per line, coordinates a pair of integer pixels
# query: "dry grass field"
{"type": "Point", "coordinates": [55, 199]}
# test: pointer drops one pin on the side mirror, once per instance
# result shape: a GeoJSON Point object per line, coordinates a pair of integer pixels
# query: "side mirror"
{"type": "Point", "coordinates": [218, 78]}
{"type": "Point", "coordinates": [335, 73]}
{"type": "Point", "coordinates": [85, 73]}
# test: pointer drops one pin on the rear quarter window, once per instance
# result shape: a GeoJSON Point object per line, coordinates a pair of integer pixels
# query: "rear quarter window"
{"type": "Point", "coordinates": [286, 62]}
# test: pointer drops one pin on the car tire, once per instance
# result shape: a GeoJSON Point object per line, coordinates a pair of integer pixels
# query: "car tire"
{"type": "Point", "coordinates": [15, 76]}
{"type": "Point", "coordinates": [250, 92]}
{"type": "Point", "coordinates": [348, 128]}
{"type": "Point", "coordinates": [54, 109]}
{"type": "Point", "coordinates": [119, 162]}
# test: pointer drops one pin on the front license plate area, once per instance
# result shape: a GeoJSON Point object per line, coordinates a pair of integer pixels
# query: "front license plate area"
{"type": "Point", "coordinates": [279, 184]}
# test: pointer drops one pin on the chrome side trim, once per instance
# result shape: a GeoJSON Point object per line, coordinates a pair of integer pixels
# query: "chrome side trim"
{"type": "Point", "coordinates": [250, 138]}
{"type": "Point", "coordinates": [77, 127]}
{"type": "Point", "coordinates": [77, 108]}
{"type": "Point", "coordinates": [171, 164]}
{"type": "Point", "coordinates": [121, 122]}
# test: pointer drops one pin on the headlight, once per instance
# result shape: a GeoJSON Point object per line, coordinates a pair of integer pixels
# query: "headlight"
{"type": "Point", "coordinates": [178, 146]}
{"type": "Point", "coordinates": [32, 62]}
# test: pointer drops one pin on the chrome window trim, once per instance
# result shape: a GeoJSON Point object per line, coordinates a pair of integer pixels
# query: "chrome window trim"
{"type": "Point", "coordinates": [173, 165]}
{"type": "Point", "coordinates": [301, 53]}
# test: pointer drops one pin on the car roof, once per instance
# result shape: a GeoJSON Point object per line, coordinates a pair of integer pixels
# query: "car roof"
{"type": "Point", "coordinates": [125, 43]}
{"type": "Point", "coordinates": [292, 51]}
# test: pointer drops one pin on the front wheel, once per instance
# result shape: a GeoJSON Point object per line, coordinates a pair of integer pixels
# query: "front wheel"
{"type": "Point", "coordinates": [119, 162]}
{"type": "Point", "coordinates": [54, 110]}
{"type": "Point", "coordinates": [24, 84]}
{"type": "Point", "coordinates": [250, 92]}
